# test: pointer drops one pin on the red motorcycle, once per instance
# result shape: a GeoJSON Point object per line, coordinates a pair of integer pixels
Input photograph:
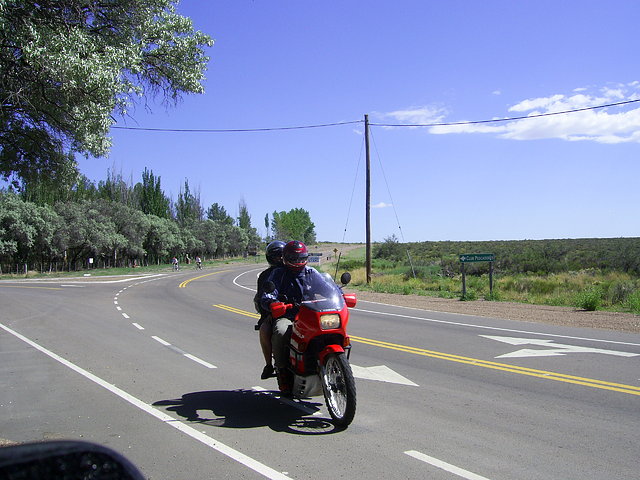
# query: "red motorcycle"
{"type": "Point", "coordinates": [319, 347]}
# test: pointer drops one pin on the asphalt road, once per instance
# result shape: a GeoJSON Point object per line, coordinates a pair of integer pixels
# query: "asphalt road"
{"type": "Point", "coordinates": [165, 370]}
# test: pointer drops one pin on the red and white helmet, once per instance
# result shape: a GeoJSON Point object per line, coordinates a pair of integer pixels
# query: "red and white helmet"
{"type": "Point", "coordinates": [295, 255]}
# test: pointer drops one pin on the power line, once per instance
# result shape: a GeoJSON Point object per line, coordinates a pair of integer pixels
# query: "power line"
{"type": "Point", "coordinates": [334, 124]}
{"type": "Point", "coordinates": [235, 130]}
{"type": "Point", "coordinates": [510, 119]}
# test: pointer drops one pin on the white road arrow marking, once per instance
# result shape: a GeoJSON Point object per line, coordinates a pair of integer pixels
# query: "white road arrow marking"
{"type": "Point", "coordinates": [556, 349]}
{"type": "Point", "coordinates": [382, 373]}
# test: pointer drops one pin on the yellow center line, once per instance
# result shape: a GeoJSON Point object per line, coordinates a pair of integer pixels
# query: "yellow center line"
{"type": "Point", "coordinates": [41, 288]}
{"type": "Point", "coordinates": [476, 362]}
{"type": "Point", "coordinates": [560, 377]}
{"type": "Point", "coordinates": [187, 282]}
{"type": "Point", "coordinates": [237, 310]}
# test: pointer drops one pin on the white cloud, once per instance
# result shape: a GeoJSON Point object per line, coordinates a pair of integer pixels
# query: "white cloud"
{"type": "Point", "coordinates": [606, 125]}
{"type": "Point", "coordinates": [382, 205]}
{"type": "Point", "coordinates": [414, 115]}
{"type": "Point", "coordinates": [532, 104]}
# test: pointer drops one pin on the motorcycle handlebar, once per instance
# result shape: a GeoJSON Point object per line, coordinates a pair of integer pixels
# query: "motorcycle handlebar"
{"type": "Point", "coordinates": [278, 309]}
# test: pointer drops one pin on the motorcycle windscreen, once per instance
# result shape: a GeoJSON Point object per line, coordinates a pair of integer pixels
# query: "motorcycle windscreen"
{"type": "Point", "coordinates": [322, 295]}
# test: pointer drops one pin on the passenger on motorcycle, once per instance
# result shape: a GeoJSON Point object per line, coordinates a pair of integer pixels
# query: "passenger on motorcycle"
{"type": "Point", "coordinates": [289, 281]}
{"type": "Point", "coordinates": [274, 257]}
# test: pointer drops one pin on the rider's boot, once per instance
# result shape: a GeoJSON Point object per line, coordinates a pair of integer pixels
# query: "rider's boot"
{"type": "Point", "coordinates": [267, 372]}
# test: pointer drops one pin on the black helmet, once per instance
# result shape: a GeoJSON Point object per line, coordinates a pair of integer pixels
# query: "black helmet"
{"type": "Point", "coordinates": [274, 253]}
{"type": "Point", "coordinates": [295, 256]}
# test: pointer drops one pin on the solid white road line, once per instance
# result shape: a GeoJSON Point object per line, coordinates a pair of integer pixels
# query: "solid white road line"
{"type": "Point", "coordinates": [167, 419]}
{"type": "Point", "coordinates": [447, 322]}
{"type": "Point", "coordinates": [445, 466]}
{"type": "Point", "coordinates": [235, 282]}
{"type": "Point", "coordinates": [485, 327]}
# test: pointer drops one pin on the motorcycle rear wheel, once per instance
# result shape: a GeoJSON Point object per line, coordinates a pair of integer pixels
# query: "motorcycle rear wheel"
{"type": "Point", "coordinates": [339, 389]}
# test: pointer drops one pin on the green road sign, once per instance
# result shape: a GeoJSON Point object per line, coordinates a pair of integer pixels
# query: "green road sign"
{"type": "Point", "coordinates": [477, 257]}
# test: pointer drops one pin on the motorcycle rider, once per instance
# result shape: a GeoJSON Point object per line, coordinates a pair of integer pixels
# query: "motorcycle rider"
{"type": "Point", "coordinates": [274, 257]}
{"type": "Point", "coordinates": [290, 281]}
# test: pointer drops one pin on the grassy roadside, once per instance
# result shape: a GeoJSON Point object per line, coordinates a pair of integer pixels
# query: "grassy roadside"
{"type": "Point", "coordinates": [588, 289]}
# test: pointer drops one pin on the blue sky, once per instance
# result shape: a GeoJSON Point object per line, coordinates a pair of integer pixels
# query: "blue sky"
{"type": "Point", "coordinates": [280, 63]}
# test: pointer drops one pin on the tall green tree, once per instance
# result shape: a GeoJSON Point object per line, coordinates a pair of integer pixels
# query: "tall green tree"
{"type": "Point", "coordinates": [162, 239]}
{"type": "Point", "coordinates": [151, 198]}
{"type": "Point", "coordinates": [244, 222]}
{"type": "Point", "coordinates": [26, 230]}
{"type": "Point", "coordinates": [244, 219]}
{"type": "Point", "coordinates": [69, 65]}
{"type": "Point", "coordinates": [87, 232]}
{"type": "Point", "coordinates": [116, 189]}
{"type": "Point", "coordinates": [129, 222]}
{"type": "Point", "coordinates": [49, 189]}
{"type": "Point", "coordinates": [218, 213]}
{"type": "Point", "coordinates": [267, 237]}
{"type": "Point", "coordinates": [295, 224]}
{"type": "Point", "coordinates": [205, 232]}
{"type": "Point", "coordinates": [188, 207]}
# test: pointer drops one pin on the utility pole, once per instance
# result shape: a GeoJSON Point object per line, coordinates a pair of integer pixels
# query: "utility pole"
{"type": "Point", "coordinates": [368, 200]}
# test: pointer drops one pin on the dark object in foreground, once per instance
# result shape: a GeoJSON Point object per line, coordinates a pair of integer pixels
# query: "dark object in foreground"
{"type": "Point", "coordinates": [64, 460]}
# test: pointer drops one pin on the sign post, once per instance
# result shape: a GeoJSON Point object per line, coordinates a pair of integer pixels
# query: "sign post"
{"type": "Point", "coordinates": [477, 257]}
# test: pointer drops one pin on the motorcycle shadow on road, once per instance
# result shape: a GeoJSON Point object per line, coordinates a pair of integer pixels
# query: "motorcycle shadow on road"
{"type": "Point", "coordinates": [250, 409]}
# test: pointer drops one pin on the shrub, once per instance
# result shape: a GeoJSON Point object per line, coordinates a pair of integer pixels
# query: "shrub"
{"type": "Point", "coordinates": [493, 297]}
{"type": "Point", "coordinates": [589, 299]}
{"type": "Point", "coordinates": [348, 265]}
{"type": "Point", "coordinates": [470, 295]}
{"type": "Point", "coordinates": [633, 302]}
{"type": "Point", "coordinates": [620, 291]}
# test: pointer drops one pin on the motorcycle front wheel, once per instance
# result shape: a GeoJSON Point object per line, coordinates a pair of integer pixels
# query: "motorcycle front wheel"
{"type": "Point", "coordinates": [339, 389]}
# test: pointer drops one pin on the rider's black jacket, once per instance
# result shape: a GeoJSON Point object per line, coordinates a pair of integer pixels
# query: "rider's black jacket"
{"type": "Point", "coordinates": [289, 288]}
{"type": "Point", "coordinates": [262, 279]}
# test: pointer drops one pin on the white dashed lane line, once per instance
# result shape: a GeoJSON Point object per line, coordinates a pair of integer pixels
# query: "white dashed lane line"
{"type": "Point", "coordinates": [461, 472]}
{"type": "Point", "coordinates": [183, 353]}
{"type": "Point", "coordinates": [166, 419]}
{"type": "Point", "coordinates": [160, 340]}
{"type": "Point", "coordinates": [200, 361]}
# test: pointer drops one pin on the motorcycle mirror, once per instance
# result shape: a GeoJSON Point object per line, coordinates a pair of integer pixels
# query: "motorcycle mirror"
{"type": "Point", "coordinates": [345, 278]}
{"type": "Point", "coordinates": [269, 287]}
{"type": "Point", "coordinates": [68, 459]}
{"type": "Point", "coordinates": [350, 299]}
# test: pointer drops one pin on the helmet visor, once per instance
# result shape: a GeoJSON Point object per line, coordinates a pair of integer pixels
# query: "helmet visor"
{"type": "Point", "coordinates": [296, 258]}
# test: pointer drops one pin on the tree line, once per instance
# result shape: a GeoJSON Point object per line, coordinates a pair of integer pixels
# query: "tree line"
{"type": "Point", "coordinates": [520, 256]}
{"type": "Point", "coordinates": [50, 227]}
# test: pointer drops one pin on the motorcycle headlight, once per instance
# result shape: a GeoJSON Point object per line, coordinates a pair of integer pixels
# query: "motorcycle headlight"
{"type": "Point", "coordinates": [329, 321]}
